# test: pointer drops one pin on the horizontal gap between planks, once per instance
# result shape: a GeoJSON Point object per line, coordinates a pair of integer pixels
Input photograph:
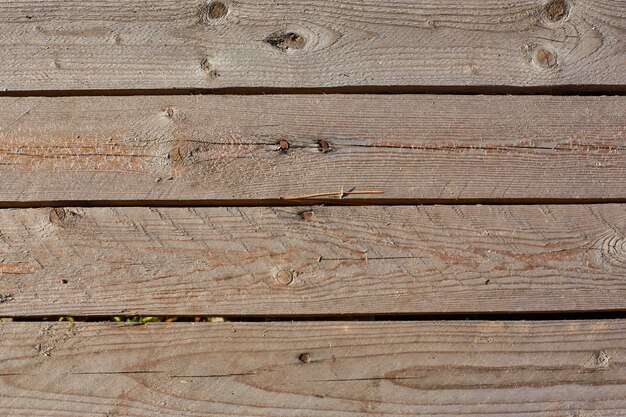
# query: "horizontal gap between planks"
{"type": "Point", "coordinates": [532, 316]}
{"type": "Point", "coordinates": [573, 90]}
{"type": "Point", "coordinates": [307, 202]}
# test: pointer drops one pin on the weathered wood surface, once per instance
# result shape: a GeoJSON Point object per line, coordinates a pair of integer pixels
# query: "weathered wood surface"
{"type": "Point", "coordinates": [312, 261]}
{"type": "Point", "coordinates": [443, 369]}
{"type": "Point", "coordinates": [221, 148]}
{"type": "Point", "coordinates": [138, 44]}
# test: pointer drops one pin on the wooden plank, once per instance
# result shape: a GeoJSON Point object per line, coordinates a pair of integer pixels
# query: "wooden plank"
{"type": "Point", "coordinates": [312, 261]}
{"type": "Point", "coordinates": [149, 44]}
{"type": "Point", "coordinates": [443, 369]}
{"type": "Point", "coordinates": [226, 148]}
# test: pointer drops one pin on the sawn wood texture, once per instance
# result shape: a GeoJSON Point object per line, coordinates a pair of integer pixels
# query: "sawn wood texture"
{"type": "Point", "coordinates": [174, 44]}
{"type": "Point", "coordinates": [250, 149]}
{"type": "Point", "coordinates": [299, 261]}
{"type": "Point", "coordinates": [343, 369]}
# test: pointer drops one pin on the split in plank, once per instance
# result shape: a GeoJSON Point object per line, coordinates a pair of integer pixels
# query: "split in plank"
{"type": "Point", "coordinates": [173, 44]}
{"type": "Point", "coordinates": [246, 149]}
{"type": "Point", "coordinates": [296, 261]}
{"type": "Point", "coordinates": [442, 369]}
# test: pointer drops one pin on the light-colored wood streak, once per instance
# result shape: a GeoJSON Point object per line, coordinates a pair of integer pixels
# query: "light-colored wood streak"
{"type": "Point", "coordinates": [442, 369]}
{"type": "Point", "coordinates": [148, 44]}
{"type": "Point", "coordinates": [220, 148]}
{"type": "Point", "coordinates": [312, 260]}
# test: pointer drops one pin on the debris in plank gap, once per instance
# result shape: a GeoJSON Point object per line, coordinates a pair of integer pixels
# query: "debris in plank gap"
{"type": "Point", "coordinates": [125, 319]}
{"type": "Point", "coordinates": [341, 194]}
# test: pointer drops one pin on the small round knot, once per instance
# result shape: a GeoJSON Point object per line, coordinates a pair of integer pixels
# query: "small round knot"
{"type": "Point", "coordinates": [307, 215]}
{"type": "Point", "coordinates": [284, 277]}
{"type": "Point", "coordinates": [305, 357]}
{"type": "Point", "coordinates": [556, 10]}
{"type": "Point", "coordinates": [57, 215]}
{"type": "Point", "coordinates": [205, 65]}
{"type": "Point", "coordinates": [602, 359]}
{"type": "Point", "coordinates": [544, 58]}
{"type": "Point", "coordinates": [217, 10]}
{"type": "Point", "coordinates": [212, 11]}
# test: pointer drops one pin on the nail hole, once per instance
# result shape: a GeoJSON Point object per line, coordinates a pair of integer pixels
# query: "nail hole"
{"type": "Point", "coordinates": [283, 145]}
{"type": "Point", "coordinates": [64, 281]}
{"type": "Point", "coordinates": [323, 146]}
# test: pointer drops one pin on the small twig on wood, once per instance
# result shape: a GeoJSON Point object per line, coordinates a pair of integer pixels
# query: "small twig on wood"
{"type": "Point", "coordinates": [341, 194]}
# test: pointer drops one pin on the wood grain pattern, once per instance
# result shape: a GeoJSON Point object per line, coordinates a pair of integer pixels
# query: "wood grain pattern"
{"type": "Point", "coordinates": [312, 261]}
{"type": "Point", "coordinates": [224, 148]}
{"type": "Point", "coordinates": [139, 44]}
{"type": "Point", "coordinates": [443, 369]}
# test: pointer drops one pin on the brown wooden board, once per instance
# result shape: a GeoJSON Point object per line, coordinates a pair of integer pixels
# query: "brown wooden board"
{"type": "Point", "coordinates": [443, 369]}
{"type": "Point", "coordinates": [139, 44]}
{"type": "Point", "coordinates": [312, 260]}
{"type": "Point", "coordinates": [220, 149]}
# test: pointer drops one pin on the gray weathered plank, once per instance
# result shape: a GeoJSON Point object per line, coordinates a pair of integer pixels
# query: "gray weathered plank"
{"type": "Point", "coordinates": [138, 44]}
{"type": "Point", "coordinates": [443, 369]}
{"type": "Point", "coordinates": [224, 148]}
{"type": "Point", "coordinates": [312, 261]}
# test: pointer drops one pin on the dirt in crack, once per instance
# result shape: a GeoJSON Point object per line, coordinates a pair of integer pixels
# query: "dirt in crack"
{"type": "Point", "coordinates": [286, 41]}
